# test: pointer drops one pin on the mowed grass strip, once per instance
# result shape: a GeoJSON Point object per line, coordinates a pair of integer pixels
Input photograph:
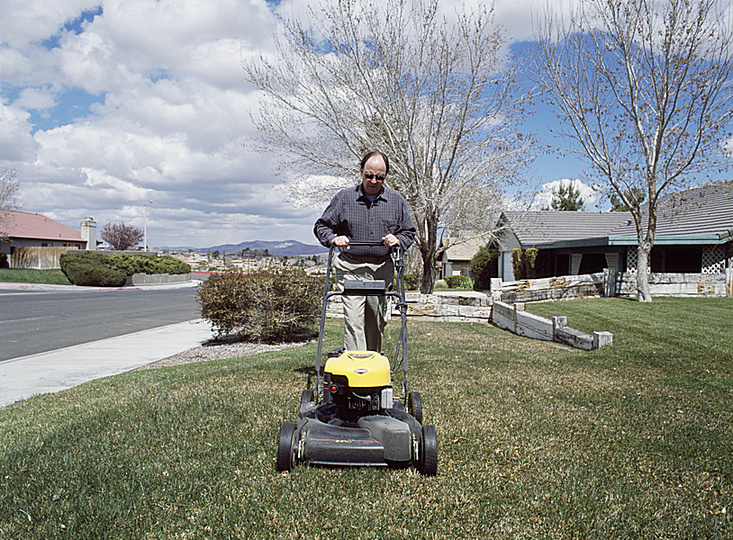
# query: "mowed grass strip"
{"type": "Point", "coordinates": [536, 440]}
{"type": "Point", "coordinates": [25, 275]}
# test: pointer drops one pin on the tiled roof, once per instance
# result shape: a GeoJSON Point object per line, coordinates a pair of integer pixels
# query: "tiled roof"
{"type": "Point", "coordinates": [702, 211]}
{"type": "Point", "coordinates": [38, 227]}
{"type": "Point", "coordinates": [548, 226]}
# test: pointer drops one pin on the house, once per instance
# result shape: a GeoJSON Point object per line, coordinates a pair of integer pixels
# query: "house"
{"type": "Point", "coordinates": [456, 260]}
{"type": "Point", "coordinates": [570, 242]}
{"type": "Point", "coordinates": [694, 234]}
{"type": "Point", "coordinates": [35, 241]}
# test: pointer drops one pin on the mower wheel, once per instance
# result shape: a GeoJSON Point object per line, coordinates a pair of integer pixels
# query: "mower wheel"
{"type": "Point", "coordinates": [286, 447]}
{"type": "Point", "coordinates": [306, 397]}
{"type": "Point", "coordinates": [428, 459]}
{"type": "Point", "coordinates": [414, 405]}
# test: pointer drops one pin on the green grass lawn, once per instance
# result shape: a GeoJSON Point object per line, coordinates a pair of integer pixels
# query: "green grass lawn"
{"type": "Point", "coordinates": [536, 440]}
{"type": "Point", "coordinates": [25, 275]}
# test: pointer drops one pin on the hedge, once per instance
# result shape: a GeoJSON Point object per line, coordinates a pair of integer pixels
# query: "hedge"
{"type": "Point", "coordinates": [112, 269]}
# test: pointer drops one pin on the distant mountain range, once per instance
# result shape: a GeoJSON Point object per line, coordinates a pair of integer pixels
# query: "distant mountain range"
{"type": "Point", "coordinates": [285, 248]}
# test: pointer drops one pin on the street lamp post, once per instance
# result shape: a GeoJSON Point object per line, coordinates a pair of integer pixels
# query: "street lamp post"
{"type": "Point", "coordinates": [146, 224]}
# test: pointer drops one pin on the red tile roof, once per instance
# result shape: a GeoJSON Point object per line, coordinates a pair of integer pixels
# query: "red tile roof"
{"type": "Point", "coordinates": [36, 226]}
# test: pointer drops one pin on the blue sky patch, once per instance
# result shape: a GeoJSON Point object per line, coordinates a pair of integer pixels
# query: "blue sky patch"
{"type": "Point", "coordinates": [76, 26]}
{"type": "Point", "coordinates": [71, 105]}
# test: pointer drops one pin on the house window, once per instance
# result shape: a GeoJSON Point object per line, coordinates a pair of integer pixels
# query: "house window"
{"type": "Point", "coordinates": [562, 264]}
{"type": "Point", "coordinates": [676, 259]}
{"type": "Point", "coordinates": [592, 263]}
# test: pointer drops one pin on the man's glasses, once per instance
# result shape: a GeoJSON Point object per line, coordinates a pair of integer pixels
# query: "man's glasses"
{"type": "Point", "coordinates": [379, 177]}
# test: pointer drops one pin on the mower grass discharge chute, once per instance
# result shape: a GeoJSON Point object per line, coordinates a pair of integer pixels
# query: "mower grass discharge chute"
{"type": "Point", "coordinates": [352, 417]}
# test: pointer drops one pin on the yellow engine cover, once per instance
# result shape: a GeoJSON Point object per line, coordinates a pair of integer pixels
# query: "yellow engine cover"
{"type": "Point", "coordinates": [363, 369]}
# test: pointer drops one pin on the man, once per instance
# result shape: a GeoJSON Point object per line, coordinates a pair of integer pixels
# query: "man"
{"type": "Point", "coordinates": [368, 212]}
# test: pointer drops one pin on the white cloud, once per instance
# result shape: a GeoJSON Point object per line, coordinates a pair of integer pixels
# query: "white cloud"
{"type": "Point", "coordinates": [591, 195]}
{"type": "Point", "coordinates": [38, 20]}
{"type": "Point", "coordinates": [16, 142]}
{"type": "Point", "coordinates": [172, 118]}
{"type": "Point", "coordinates": [36, 98]}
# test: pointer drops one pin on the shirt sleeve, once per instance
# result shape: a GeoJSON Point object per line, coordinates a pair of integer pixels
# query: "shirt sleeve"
{"type": "Point", "coordinates": [326, 225]}
{"type": "Point", "coordinates": [406, 231]}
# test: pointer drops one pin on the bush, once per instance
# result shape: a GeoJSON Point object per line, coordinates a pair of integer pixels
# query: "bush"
{"type": "Point", "coordinates": [112, 269]}
{"type": "Point", "coordinates": [458, 282]}
{"type": "Point", "coordinates": [4, 260]}
{"type": "Point", "coordinates": [530, 259]}
{"type": "Point", "coordinates": [412, 281]}
{"type": "Point", "coordinates": [518, 263]}
{"type": "Point", "coordinates": [92, 273]}
{"type": "Point", "coordinates": [525, 263]}
{"type": "Point", "coordinates": [265, 306]}
{"type": "Point", "coordinates": [484, 266]}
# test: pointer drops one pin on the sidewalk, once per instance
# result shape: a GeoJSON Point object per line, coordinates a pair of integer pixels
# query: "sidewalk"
{"type": "Point", "coordinates": [9, 285]}
{"type": "Point", "coordinates": [21, 378]}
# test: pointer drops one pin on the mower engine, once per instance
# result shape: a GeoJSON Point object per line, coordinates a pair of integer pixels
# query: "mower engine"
{"type": "Point", "coordinates": [358, 383]}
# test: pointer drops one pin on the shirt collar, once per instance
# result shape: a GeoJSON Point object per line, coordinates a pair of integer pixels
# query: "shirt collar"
{"type": "Point", "coordinates": [362, 195]}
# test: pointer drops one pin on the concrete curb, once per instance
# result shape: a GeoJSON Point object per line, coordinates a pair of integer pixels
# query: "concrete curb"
{"type": "Point", "coordinates": [52, 371]}
{"type": "Point", "coordinates": [5, 285]}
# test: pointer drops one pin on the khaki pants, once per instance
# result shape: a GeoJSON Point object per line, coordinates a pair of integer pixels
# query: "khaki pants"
{"type": "Point", "coordinates": [365, 317]}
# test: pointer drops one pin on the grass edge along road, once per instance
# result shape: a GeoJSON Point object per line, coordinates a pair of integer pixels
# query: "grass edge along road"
{"type": "Point", "coordinates": [23, 275]}
{"type": "Point", "coordinates": [536, 440]}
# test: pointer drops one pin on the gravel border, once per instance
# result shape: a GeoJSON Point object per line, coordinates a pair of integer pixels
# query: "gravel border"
{"type": "Point", "coordinates": [215, 350]}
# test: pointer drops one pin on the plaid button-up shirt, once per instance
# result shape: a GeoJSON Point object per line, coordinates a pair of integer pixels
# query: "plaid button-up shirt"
{"type": "Point", "coordinates": [350, 213]}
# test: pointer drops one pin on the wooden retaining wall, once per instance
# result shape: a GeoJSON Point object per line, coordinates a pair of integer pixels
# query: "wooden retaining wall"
{"type": "Point", "coordinates": [516, 320]}
{"type": "Point", "coordinates": [478, 307]}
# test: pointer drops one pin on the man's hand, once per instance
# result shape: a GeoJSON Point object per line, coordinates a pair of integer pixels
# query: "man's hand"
{"type": "Point", "coordinates": [341, 242]}
{"type": "Point", "coordinates": [390, 240]}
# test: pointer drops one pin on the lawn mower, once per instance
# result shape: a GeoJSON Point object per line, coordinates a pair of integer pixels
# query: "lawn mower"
{"type": "Point", "coordinates": [352, 417]}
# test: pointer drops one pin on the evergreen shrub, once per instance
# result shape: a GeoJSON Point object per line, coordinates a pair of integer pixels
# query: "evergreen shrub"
{"type": "Point", "coordinates": [91, 273]}
{"type": "Point", "coordinates": [458, 282]}
{"type": "Point", "coordinates": [525, 263]}
{"type": "Point", "coordinates": [266, 306]}
{"type": "Point", "coordinates": [4, 260]}
{"type": "Point", "coordinates": [484, 266]}
{"type": "Point", "coordinates": [530, 262]}
{"type": "Point", "coordinates": [412, 281]}
{"type": "Point", "coordinates": [112, 269]}
{"type": "Point", "coordinates": [520, 271]}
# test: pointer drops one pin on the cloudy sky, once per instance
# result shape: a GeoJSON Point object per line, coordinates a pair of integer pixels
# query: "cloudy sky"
{"type": "Point", "coordinates": [108, 104]}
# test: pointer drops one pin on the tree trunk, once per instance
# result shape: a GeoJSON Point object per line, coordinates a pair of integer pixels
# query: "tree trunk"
{"type": "Point", "coordinates": [642, 271]}
{"type": "Point", "coordinates": [428, 275]}
{"type": "Point", "coordinates": [428, 250]}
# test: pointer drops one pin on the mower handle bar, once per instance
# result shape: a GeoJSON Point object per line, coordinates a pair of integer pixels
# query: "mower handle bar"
{"type": "Point", "coordinates": [399, 295]}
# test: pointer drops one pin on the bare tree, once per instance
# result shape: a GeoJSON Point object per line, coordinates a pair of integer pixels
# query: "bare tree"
{"type": "Point", "coordinates": [645, 89]}
{"type": "Point", "coordinates": [121, 236]}
{"type": "Point", "coordinates": [433, 94]}
{"type": "Point", "coordinates": [8, 198]}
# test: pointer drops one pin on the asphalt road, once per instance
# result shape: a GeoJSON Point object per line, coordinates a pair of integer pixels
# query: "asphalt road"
{"type": "Point", "coordinates": [35, 321]}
